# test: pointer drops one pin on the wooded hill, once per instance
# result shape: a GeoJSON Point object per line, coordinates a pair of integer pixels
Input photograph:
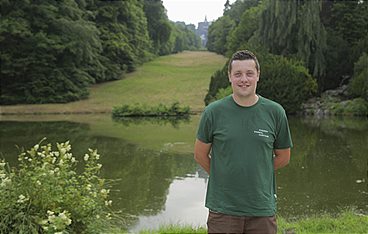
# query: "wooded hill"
{"type": "Point", "coordinates": [51, 51]}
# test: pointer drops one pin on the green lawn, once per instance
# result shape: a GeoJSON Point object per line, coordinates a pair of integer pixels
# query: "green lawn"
{"type": "Point", "coordinates": [182, 77]}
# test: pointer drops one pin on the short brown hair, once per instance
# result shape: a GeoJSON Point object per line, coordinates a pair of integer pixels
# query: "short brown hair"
{"type": "Point", "coordinates": [244, 55]}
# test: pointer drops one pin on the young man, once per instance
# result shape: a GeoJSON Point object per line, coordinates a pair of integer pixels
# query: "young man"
{"type": "Point", "coordinates": [242, 139]}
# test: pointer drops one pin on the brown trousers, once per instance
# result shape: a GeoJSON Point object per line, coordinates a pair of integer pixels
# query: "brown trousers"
{"type": "Point", "coordinates": [221, 223]}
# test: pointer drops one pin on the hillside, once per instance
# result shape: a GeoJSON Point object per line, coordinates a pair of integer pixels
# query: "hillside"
{"type": "Point", "coordinates": [182, 77]}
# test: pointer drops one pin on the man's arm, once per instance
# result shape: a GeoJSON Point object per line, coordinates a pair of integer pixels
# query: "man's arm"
{"type": "Point", "coordinates": [201, 154]}
{"type": "Point", "coordinates": [282, 157]}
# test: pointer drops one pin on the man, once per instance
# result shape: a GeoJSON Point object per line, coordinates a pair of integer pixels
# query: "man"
{"type": "Point", "coordinates": [242, 139]}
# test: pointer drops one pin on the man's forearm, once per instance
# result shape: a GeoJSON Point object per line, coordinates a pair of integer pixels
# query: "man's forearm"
{"type": "Point", "coordinates": [201, 154]}
{"type": "Point", "coordinates": [204, 162]}
{"type": "Point", "coordinates": [282, 158]}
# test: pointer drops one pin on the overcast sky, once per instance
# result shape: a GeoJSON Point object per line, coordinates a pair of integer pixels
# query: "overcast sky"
{"type": "Point", "coordinates": [194, 11]}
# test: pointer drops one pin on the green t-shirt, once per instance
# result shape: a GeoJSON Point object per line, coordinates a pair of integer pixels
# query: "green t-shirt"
{"type": "Point", "coordinates": [242, 179]}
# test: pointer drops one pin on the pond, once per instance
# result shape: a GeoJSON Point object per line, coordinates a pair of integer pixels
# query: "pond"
{"type": "Point", "coordinates": [157, 182]}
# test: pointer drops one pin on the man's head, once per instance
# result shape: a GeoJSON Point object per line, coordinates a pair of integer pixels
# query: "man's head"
{"type": "Point", "coordinates": [243, 73]}
{"type": "Point", "coordinates": [244, 55]}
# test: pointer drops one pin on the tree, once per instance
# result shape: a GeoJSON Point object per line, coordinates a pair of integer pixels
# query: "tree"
{"type": "Point", "coordinates": [158, 25]}
{"type": "Point", "coordinates": [294, 29]}
{"type": "Point", "coordinates": [47, 52]}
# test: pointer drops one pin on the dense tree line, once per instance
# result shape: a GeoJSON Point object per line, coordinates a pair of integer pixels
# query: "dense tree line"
{"type": "Point", "coordinates": [328, 37]}
{"type": "Point", "coordinates": [51, 51]}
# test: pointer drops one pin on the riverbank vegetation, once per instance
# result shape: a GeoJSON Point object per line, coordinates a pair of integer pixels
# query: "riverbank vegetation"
{"type": "Point", "coordinates": [161, 111]}
{"type": "Point", "coordinates": [325, 39]}
{"type": "Point", "coordinates": [346, 222]}
{"type": "Point", "coordinates": [46, 193]}
{"type": "Point", "coordinates": [51, 51]}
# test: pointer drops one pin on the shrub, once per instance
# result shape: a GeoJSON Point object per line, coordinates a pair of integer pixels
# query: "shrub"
{"type": "Point", "coordinates": [45, 194]}
{"type": "Point", "coordinates": [285, 81]}
{"type": "Point", "coordinates": [140, 110]}
{"type": "Point", "coordinates": [358, 86]}
{"type": "Point", "coordinates": [356, 107]}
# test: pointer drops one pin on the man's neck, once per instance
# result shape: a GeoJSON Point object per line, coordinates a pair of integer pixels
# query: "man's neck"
{"type": "Point", "coordinates": [246, 101]}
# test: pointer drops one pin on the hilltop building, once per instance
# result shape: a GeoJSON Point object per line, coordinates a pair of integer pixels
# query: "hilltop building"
{"type": "Point", "coordinates": [202, 31]}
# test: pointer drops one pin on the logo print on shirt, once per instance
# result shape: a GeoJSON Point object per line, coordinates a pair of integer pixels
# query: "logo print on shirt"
{"type": "Point", "coordinates": [261, 133]}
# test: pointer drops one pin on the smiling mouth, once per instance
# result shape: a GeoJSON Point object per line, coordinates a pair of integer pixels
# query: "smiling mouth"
{"type": "Point", "coordinates": [243, 86]}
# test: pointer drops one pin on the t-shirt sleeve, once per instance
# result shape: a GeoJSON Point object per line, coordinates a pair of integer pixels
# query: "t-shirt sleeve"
{"type": "Point", "coordinates": [283, 136]}
{"type": "Point", "coordinates": [205, 130]}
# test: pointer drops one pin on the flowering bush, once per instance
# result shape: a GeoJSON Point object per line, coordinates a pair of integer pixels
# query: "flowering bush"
{"type": "Point", "coordinates": [45, 194]}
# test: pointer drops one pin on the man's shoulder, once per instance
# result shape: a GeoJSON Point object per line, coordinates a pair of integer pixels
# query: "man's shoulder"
{"type": "Point", "coordinates": [218, 104]}
{"type": "Point", "coordinates": [271, 105]}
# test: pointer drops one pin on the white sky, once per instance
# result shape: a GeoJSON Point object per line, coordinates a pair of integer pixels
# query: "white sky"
{"type": "Point", "coordinates": [194, 11]}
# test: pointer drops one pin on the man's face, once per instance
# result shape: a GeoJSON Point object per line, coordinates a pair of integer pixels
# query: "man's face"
{"type": "Point", "coordinates": [243, 78]}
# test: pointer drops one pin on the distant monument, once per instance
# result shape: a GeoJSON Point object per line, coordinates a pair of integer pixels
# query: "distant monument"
{"type": "Point", "coordinates": [202, 31]}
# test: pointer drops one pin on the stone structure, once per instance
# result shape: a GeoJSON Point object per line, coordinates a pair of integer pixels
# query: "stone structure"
{"type": "Point", "coordinates": [202, 31]}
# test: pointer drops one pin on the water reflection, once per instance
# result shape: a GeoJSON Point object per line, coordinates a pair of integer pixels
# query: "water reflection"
{"type": "Point", "coordinates": [156, 181]}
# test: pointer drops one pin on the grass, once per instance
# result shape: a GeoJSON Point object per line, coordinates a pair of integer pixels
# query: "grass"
{"type": "Point", "coordinates": [182, 77]}
{"type": "Point", "coordinates": [346, 222]}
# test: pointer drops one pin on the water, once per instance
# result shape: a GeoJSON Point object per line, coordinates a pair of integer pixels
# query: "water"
{"type": "Point", "coordinates": [157, 181]}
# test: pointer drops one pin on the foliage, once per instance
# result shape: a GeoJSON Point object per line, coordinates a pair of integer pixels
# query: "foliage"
{"type": "Point", "coordinates": [219, 81]}
{"type": "Point", "coordinates": [359, 83]}
{"type": "Point", "coordinates": [356, 107]}
{"type": "Point", "coordinates": [48, 52]}
{"type": "Point", "coordinates": [143, 110]}
{"type": "Point", "coordinates": [294, 29]}
{"type": "Point", "coordinates": [218, 33]}
{"type": "Point", "coordinates": [47, 195]}
{"type": "Point", "coordinates": [245, 30]}
{"type": "Point", "coordinates": [184, 38]}
{"type": "Point", "coordinates": [159, 26]}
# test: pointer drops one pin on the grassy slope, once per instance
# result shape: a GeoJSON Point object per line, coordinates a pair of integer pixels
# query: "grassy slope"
{"type": "Point", "coordinates": [182, 77]}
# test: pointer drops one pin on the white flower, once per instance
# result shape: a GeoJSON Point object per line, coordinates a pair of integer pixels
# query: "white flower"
{"type": "Point", "coordinates": [22, 199]}
{"type": "Point", "coordinates": [38, 182]}
{"type": "Point", "coordinates": [5, 181]}
{"type": "Point", "coordinates": [36, 147]}
{"type": "Point", "coordinates": [2, 164]}
{"type": "Point", "coordinates": [97, 156]}
{"type": "Point", "coordinates": [86, 156]}
{"type": "Point", "coordinates": [2, 176]}
{"type": "Point", "coordinates": [73, 160]}
{"type": "Point", "coordinates": [62, 150]}
{"type": "Point", "coordinates": [49, 212]}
